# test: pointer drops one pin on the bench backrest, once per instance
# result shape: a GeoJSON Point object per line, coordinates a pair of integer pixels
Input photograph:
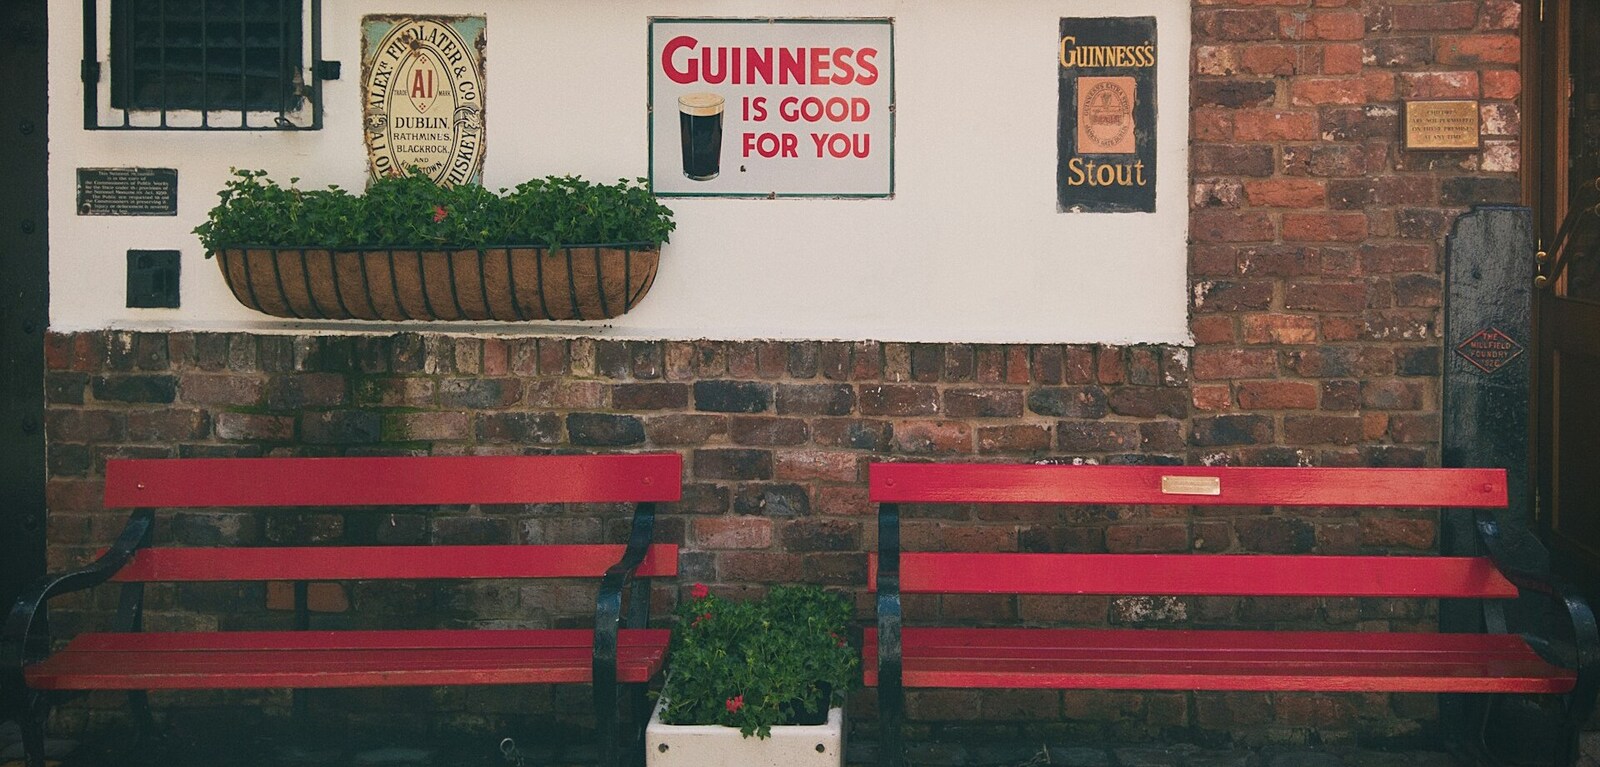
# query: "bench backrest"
{"type": "Point", "coordinates": [1186, 574]}
{"type": "Point", "coordinates": [390, 481]}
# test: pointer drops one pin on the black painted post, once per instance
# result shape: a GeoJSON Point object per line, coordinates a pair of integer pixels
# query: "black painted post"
{"type": "Point", "coordinates": [24, 270]}
{"type": "Point", "coordinates": [1488, 350]}
{"type": "Point", "coordinates": [1488, 306]}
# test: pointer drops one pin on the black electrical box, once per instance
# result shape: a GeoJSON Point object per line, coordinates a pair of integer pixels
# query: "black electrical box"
{"type": "Point", "coordinates": [153, 279]}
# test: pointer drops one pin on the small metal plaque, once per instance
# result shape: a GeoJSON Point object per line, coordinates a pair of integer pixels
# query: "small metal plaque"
{"type": "Point", "coordinates": [1489, 349]}
{"type": "Point", "coordinates": [1442, 125]}
{"type": "Point", "coordinates": [127, 192]}
{"type": "Point", "coordinates": [1171, 485]}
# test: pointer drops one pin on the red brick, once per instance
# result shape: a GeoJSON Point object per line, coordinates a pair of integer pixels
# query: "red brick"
{"type": "Point", "coordinates": [767, 431]}
{"type": "Point", "coordinates": [1230, 226]}
{"type": "Point", "coordinates": [1050, 608]}
{"type": "Point", "coordinates": [1212, 398]}
{"type": "Point", "coordinates": [1392, 395]}
{"type": "Point", "coordinates": [1146, 538]}
{"type": "Point", "coordinates": [1020, 438]}
{"type": "Point", "coordinates": [685, 428]}
{"type": "Point", "coordinates": [1273, 125]}
{"type": "Point", "coordinates": [1232, 295]}
{"type": "Point", "coordinates": [731, 532]}
{"type": "Point", "coordinates": [1279, 329]}
{"type": "Point", "coordinates": [1324, 227]}
{"type": "Point", "coordinates": [1394, 258]}
{"type": "Point", "coordinates": [1501, 84]}
{"type": "Point", "coordinates": [1213, 125]}
{"type": "Point", "coordinates": [899, 400]}
{"type": "Point", "coordinates": [1277, 395]}
{"type": "Point", "coordinates": [254, 427]}
{"type": "Point", "coordinates": [1322, 91]}
{"type": "Point", "coordinates": [1336, 329]}
{"type": "Point", "coordinates": [815, 465]}
{"type": "Point", "coordinates": [838, 501]}
{"type": "Point", "coordinates": [1238, 24]}
{"type": "Point", "coordinates": [1212, 364]}
{"type": "Point", "coordinates": [933, 437]}
{"type": "Point", "coordinates": [1268, 59]}
{"type": "Point", "coordinates": [1322, 429]}
{"type": "Point", "coordinates": [1110, 365]}
{"type": "Point", "coordinates": [1215, 60]}
{"type": "Point", "coordinates": [1212, 329]}
{"type": "Point", "coordinates": [1479, 49]}
{"type": "Point", "coordinates": [1502, 15]}
{"type": "Point", "coordinates": [1380, 86]}
{"type": "Point", "coordinates": [1341, 59]}
{"type": "Point", "coordinates": [1286, 193]}
{"type": "Point", "coordinates": [1396, 532]}
{"type": "Point", "coordinates": [564, 394]}
{"type": "Point", "coordinates": [1322, 25]}
{"type": "Point", "coordinates": [218, 389]}
{"type": "Point", "coordinates": [1325, 296]}
{"type": "Point", "coordinates": [1434, 16]}
{"type": "Point", "coordinates": [758, 566]}
{"type": "Point", "coordinates": [983, 402]}
{"type": "Point", "coordinates": [1438, 85]}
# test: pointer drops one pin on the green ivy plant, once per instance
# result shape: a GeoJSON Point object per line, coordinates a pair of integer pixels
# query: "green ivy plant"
{"type": "Point", "coordinates": [756, 663]}
{"type": "Point", "coordinates": [410, 211]}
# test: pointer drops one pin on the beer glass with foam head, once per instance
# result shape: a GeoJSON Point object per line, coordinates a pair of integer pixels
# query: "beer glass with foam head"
{"type": "Point", "coordinates": [700, 124]}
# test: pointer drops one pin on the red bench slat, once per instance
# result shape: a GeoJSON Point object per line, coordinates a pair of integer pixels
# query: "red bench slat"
{"type": "Point", "coordinates": [389, 481]}
{"type": "Point", "coordinates": [1219, 660]}
{"type": "Point", "coordinates": [204, 661]}
{"type": "Point", "coordinates": [1234, 486]}
{"type": "Point", "coordinates": [1197, 574]}
{"type": "Point", "coordinates": [331, 563]}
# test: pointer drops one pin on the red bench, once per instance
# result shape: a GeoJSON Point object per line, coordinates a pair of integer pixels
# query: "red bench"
{"type": "Point", "coordinates": [900, 656]}
{"type": "Point", "coordinates": [618, 662]}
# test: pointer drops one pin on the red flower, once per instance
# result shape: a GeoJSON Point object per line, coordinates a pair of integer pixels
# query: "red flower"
{"type": "Point", "coordinates": [699, 591]}
{"type": "Point", "coordinates": [700, 619]}
{"type": "Point", "coordinates": [439, 213]}
{"type": "Point", "coordinates": [735, 703]}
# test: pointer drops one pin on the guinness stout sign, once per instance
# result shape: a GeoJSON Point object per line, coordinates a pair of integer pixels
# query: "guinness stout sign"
{"type": "Point", "coordinates": [1106, 128]}
{"type": "Point", "coordinates": [422, 94]}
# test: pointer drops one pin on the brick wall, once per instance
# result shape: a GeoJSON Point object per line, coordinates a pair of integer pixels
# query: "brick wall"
{"type": "Point", "coordinates": [1315, 262]}
{"type": "Point", "coordinates": [776, 437]}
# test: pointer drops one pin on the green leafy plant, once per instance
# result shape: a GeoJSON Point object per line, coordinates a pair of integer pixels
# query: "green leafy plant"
{"type": "Point", "coordinates": [410, 211]}
{"type": "Point", "coordinates": [752, 664]}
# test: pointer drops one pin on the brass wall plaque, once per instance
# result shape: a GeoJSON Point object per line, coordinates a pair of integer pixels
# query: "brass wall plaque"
{"type": "Point", "coordinates": [1171, 485]}
{"type": "Point", "coordinates": [1442, 125]}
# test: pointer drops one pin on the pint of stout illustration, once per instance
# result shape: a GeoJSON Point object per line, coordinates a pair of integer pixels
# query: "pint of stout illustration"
{"type": "Point", "coordinates": [700, 123]}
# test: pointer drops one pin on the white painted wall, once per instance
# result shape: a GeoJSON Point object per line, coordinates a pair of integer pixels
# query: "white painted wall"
{"type": "Point", "coordinates": [970, 249]}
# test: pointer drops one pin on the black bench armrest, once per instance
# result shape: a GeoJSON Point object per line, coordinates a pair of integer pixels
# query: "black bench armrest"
{"type": "Point", "coordinates": [890, 663]}
{"type": "Point", "coordinates": [608, 603]}
{"type": "Point", "coordinates": [1585, 633]}
{"type": "Point", "coordinates": [19, 642]}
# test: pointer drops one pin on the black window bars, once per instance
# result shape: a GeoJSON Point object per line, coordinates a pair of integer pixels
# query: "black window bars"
{"type": "Point", "coordinates": [205, 65]}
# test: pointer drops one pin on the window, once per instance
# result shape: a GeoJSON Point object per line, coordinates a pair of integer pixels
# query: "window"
{"type": "Point", "coordinates": [204, 64]}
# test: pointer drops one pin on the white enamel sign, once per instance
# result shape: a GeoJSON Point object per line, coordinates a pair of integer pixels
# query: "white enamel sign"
{"type": "Point", "coordinates": [772, 107]}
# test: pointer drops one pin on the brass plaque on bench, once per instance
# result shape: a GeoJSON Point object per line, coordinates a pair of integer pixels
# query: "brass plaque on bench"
{"type": "Point", "coordinates": [1171, 485]}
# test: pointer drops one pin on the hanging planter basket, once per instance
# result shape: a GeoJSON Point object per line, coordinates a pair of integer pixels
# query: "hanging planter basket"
{"type": "Point", "coordinates": [513, 283]}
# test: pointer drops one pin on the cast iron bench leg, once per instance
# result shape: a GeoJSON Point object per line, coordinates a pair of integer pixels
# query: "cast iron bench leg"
{"type": "Point", "coordinates": [33, 721]}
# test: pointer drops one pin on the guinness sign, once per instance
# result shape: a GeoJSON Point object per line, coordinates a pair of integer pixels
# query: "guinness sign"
{"type": "Point", "coordinates": [422, 93]}
{"type": "Point", "coordinates": [1106, 124]}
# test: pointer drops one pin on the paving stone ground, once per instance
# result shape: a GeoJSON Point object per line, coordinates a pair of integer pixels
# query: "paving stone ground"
{"type": "Point", "coordinates": [257, 749]}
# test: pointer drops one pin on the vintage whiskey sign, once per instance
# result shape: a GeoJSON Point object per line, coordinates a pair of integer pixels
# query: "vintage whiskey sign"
{"type": "Point", "coordinates": [1106, 125]}
{"type": "Point", "coordinates": [422, 93]}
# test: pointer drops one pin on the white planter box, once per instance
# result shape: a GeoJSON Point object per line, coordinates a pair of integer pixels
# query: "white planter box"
{"type": "Point", "coordinates": [712, 745]}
